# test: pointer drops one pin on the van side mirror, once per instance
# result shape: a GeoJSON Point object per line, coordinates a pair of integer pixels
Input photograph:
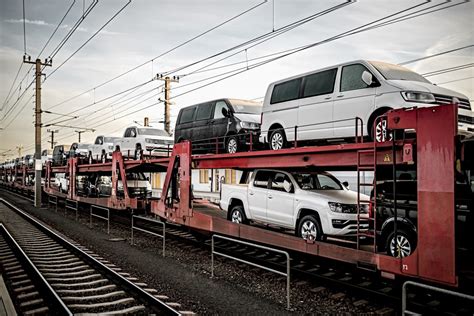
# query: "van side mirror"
{"type": "Point", "coordinates": [225, 112]}
{"type": "Point", "coordinates": [367, 78]}
{"type": "Point", "coordinates": [346, 184]}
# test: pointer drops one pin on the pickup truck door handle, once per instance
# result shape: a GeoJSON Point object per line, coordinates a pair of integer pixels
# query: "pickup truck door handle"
{"type": "Point", "coordinates": [270, 197]}
{"type": "Point", "coordinates": [327, 98]}
{"type": "Point", "coordinates": [340, 96]}
{"type": "Point", "coordinates": [251, 193]}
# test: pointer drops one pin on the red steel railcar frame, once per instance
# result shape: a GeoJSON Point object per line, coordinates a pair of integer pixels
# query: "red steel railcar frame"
{"type": "Point", "coordinates": [434, 152]}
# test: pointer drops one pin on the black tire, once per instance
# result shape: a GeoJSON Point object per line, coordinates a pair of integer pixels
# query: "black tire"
{"type": "Point", "coordinates": [237, 215]}
{"type": "Point", "coordinates": [309, 228]}
{"type": "Point", "coordinates": [277, 139]}
{"type": "Point", "coordinates": [138, 152]}
{"type": "Point", "coordinates": [406, 244]}
{"type": "Point", "coordinates": [232, 145]}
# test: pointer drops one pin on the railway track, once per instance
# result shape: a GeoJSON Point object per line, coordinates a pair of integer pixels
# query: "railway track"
{"type": "Point", "coordinates": [80, 282]}
{"type": "Point", "coordinates": [358, 283]}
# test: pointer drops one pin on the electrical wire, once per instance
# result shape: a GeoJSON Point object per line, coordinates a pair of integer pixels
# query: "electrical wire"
{"type": "Point", "coordinates": [450, 81]}
{"type": "Point", "coordinates": [160, 55]}
{"type": "Point", "coordinates": [88, 40]}
{"type": "Point", "coordinates": [435, 55]}
{"type": "Point", "coordinates": [446, 70]}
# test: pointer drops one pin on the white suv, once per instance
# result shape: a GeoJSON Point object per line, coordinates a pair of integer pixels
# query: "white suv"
{"type": "Point", "coordinates": [314, 204]}
{"type": "Point", "coordinates": [323, 104]}
{"type": "Point", "coordinates": [144, 140]}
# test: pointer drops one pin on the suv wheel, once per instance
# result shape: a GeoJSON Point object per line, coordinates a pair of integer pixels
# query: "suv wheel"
{"type": "Point", "coordinates": [309, 228]}
{"type": "Point", "coordinates": [277, 139]}
{"type": "Point", "coordinates": [402, 246]}
{"type": "Point", "coordinates": [237, 215]}
{"type": "Point", "coordinates": [232, 145]}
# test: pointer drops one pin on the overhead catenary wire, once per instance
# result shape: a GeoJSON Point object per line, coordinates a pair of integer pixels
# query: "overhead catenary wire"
{"type": "Point", "coordinates": [456, 80]}
{"type": "Point", "coordinates": [160, 55]}
{"type": "Point", "coordinates": [446, 70]}
{"type": "Point", "coordinates": [89, 39]}
{"type": "Point", "coordinates": [435, 55]}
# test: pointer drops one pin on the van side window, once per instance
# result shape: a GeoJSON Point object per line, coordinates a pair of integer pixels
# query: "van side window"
{"type": "Point", "coordinates": [204, 111]}
{"type": "Point", "coordinates": [218, 110]}
{"type": "Point", "coordinates": [261, 179]}
{"type": "Point", "coordinates": [127, 132]}
{"type": "Point", "coordinates": [187, 115]}
{"type": "Point", "coordinates": [319, 83]}
{"type": "Point", "coordinates": [351, 78]}
{"type": "Point", "coordinates": [286, 91]}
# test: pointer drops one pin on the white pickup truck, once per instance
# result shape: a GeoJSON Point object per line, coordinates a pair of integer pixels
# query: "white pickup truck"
{"type": "Point", "coordinates": [102, 148]}
{"type": "Point", "coordinates": [144, 140]}
{"type": "Point", "coordinates": [314, 204]}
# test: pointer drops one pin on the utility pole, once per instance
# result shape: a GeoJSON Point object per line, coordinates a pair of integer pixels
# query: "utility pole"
{"type": "Point", "coordinates": [168, 81]}
{"type": "Point", "coordinates": [19, 148]}
{"type": "Point", "coordinates": [38, 165]}
{"type": "Point", "coordinates": [52, 131]}
{"type": "Point", "coordinates": [83, 131]}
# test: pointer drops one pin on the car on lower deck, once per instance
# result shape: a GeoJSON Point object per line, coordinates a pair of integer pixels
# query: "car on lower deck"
{"type": "Point", "coordinates": [403, 241]}
{"type": "Point", "coordinates": [313, 204]}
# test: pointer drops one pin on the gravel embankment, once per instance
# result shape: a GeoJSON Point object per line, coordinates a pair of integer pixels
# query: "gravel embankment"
{"type": "Point", "coordinates": [184, 275]}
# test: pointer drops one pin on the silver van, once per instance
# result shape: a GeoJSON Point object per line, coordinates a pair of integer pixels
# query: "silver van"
{"type": "Point", "coordinates": [323, 104]}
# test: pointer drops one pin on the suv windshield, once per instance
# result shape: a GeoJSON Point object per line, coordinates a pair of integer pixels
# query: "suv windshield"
{"type": "Point", "coordinates": [152, 132]}
{"type": "Point", "coordinates": [395, 72]}
{"type": "Point", "coordinates": [317, 181]}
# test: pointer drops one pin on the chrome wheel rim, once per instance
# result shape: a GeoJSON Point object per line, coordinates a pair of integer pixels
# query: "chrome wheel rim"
{"type": "Point", "coordinates": [232, 146]}
{"type": "Point", "coordinates": [381, 132]}
{"type": "Point", "coordinates": [309, 231]}
{"type": "Point", "coordinates": [236, 217]}
{"type": "Point", "coordinates": [277, 141]}
{"type": "Point", "coordinates": [400, 247]}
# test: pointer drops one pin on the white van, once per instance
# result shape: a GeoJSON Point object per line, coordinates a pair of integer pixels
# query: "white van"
{"type": "Point", "coordinates": [323, 104]}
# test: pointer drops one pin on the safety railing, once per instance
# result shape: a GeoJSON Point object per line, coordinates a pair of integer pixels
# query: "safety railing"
{"type": "Point", "coordinates": [52, 199]}
{"type": "Point", "coordinates": [71, 205]}
{"type": "Point", "coordinates": [150, 220]}
{"type": "Point", "coordinates": [249, 141]}
{"type": "Point", "coordinates": [92, 214]}
{"type": "Point", "coordinates": [405, 311]}
{"type": "Point", "coordinates": [285, 274]}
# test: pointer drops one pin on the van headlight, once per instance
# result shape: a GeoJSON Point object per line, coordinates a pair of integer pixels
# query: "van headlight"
{"type": "Point", "coordinates": [249, 125]}
{"type": "Point", "coordinates": [422, 97]}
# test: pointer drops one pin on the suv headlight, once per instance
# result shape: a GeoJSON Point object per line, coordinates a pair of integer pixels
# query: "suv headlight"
{"type": "Point", "coordinates": [149, 140]}
{"type": "Point", "coordinates": [422, 97]}
{"type": "Point", "coordinates": [347, 208]}
{"type": "Point", "coordinates": [249, 125]}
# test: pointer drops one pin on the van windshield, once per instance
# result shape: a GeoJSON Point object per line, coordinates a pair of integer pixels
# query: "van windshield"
{"type": "Point", "coordinates": [246, 106]}
{"type": "Point", "coordinates": [395, 72]}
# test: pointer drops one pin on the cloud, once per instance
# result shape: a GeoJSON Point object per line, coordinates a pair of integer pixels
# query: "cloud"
{"type": "Point", "coordinates": [34, 22]}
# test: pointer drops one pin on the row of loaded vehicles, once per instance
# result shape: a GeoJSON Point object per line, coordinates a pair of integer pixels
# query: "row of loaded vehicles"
{"type": "Point", "coordinates": [329, 105]}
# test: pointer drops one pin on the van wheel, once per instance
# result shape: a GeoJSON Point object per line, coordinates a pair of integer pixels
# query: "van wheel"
{"type": "Point", "coordinates": [309, 228]}
{"type": "Point", "coordinates": [232, 145]}
{"type": "Point", "coordinates": [277, 139]}
{"type": "Point", "coordinates": [138, 152]}
{"type": "Point", "coordinates": [237, 215]}
{"type": "Point", "coordinates": [403, 245]}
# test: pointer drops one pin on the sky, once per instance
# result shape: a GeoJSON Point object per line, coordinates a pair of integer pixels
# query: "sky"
{"type": "Point", "coordinates": [144, 30]}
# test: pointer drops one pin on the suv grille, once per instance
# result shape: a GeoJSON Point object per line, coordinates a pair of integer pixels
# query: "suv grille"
{"type": "Point", "coordinates": [445, 99]}
{"type": "Point", "coordinates": [465, 119]}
